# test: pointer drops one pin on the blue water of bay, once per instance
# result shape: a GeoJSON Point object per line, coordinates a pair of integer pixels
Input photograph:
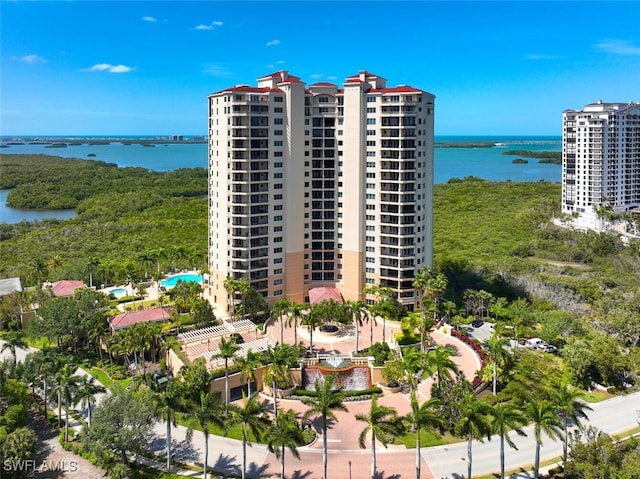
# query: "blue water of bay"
{"type": "Point", "coordinates": [487, 163]}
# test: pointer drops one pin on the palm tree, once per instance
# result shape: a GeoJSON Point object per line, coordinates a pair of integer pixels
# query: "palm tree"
{"type": "Point", "coordinates": [206, 411]}
{"type": "Point", "coordinates": [358, 311]}
{"type": "Point", "coordinates": [13, 341]}
{"type": "Point", "coordinates": [92, 263]}
{"type": "Point", "coordinates": [383, 424]}
{"type": "Point", "coordinates": [328, 399]}
{"type": "Point", "coordinates": [498, 356]}
{"type": "Point", "coordinates": [87, 390]}
{"type": "Point", "coordinates": [231, 286]}
{"type": "Point", "coordinates": [315, 318]}
{"type": "Point", "coordinates": [423, 416]}
{"type": "Point", "coordinates": [146, 258]}
{"type": "Point", "coordinates": [168, 404]}
{"type": "Point", "coordinates": [174, 253]}
{"type": "Point", "coordinates": [439, 360]}
{"type": "Point", "coordinates": [251, 417]}
{"type": "Point", "coordinates": [279, 309]}
{"type": "Point", "coordinates": [296, 313]}
{"type": "Point", "coordinates": [543, 414]}
{"type": "Point", "coordinates": [278, 373]}
{"type": "Point", "coordinates": [571, 408]}
{"type": "Point", "coordinates": [474, 422]}
{"type": "Point", "coordinates": [227, 350]}
{"type": "Point", "coordinates": [507, 417]}
{"type": "Point", "coordinates": [414, 361]}
{"type": "Point", "coordinates": [248, 365]}
{"type": "Point", "coordinates": [285, 433]}
{"type": "Point", "coordinates": [66, 388]}
{"type": "Point", "coordinates": [243, 288]}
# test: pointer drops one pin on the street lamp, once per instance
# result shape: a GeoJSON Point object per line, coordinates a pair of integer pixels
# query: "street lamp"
{"type": "Point", "coordinates": [349, 469]}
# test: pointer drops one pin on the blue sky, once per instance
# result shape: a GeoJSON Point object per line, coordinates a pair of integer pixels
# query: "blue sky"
{"type": "Point", "coordinates": [144, 68]}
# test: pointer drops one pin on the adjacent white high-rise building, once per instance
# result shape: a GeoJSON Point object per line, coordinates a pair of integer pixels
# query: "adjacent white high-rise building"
{"type": "Point", "coordinates": [320, 186]}
{"type": "Point", "coordinates": [600, 161]}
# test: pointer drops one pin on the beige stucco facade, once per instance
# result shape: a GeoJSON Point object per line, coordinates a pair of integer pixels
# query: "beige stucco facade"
{"type": "Point", "coordinates": [320, 185]}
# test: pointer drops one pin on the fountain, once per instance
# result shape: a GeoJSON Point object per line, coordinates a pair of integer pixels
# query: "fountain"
{"type": "Point", "coordinates": [352, 377]}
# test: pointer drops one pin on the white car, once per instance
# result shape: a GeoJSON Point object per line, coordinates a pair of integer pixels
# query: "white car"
{"type": "Point", "coordinates": [535, 343]}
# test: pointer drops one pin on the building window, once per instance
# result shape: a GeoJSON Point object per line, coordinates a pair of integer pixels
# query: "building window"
{"type": "Point", "coordinates": [371, 142]}
{"type": "Point", "coordinates": [277, 197]}
{"type": "Point", "coordinates": [277, 132]}
{"type": "Point", "coordinates": [278, 282]}
{"type": "Point", "coordinates": [277, 218]}
{"type": "Point", "coordinates": [277, 229]}
{"type": "Point", "coordinates": [371, 185]}
{"type": "Point", "coordinates": [278, 99]}
{"type": "Point", "coordinates": [277, 109]}
{"type": "Point", "coordinates": [370, 270]}
{"type": "Point", "coordinates": [371, 109]}
{"type": "Point", "coordinates": [277, 121]}
{"type": "Point", "coordinates": [371, 154]}
{"type": "Point", "coordinates": [371, 121]}
{"type": "Point", "coordinates": [277, 143]}
{"type": "Point", "coordinates": [277, 271]}
{"type": "Point", "coordinates": [371, 164]}
{"type": "Point", "coordinates": [371, 132]}
{"type": "Point", "coordinates": [370, 228]}
{"type": "Point", "coordinates": [277, 164]}
{"type": "Point", "coordinates": [369, 238]}
{"type": "Point", "coordinates": [277, 261]}
{"type": "Point", "coordinates": [277, 250]}
{"type": "Point", "coordinates": [277, 175]}
{"type": "Point", "coordinates": [371, 175]}
{"type": "Point", "coordinates": [371, 99]}
{"type": "Point", "coordinates": [371, 196]}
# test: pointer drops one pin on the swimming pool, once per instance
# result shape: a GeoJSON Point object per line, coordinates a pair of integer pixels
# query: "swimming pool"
{"type": "Point", "coordinates": [118, 291]}
{"type": "Point", "coordinates": [188, 277]}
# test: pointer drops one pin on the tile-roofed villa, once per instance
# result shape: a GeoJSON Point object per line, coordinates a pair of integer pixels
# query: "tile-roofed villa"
{"type": "Point", "coordinates": [317, 295]}
{"type": "Point", "coordinates": [64, 288]}
{"type": "Point", "coordinates": [130, 318]}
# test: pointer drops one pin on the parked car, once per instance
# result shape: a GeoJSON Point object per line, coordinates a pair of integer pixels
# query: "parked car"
{"type": "Point", "coordinates": [548, 348]}
{"type": "Point", "coordinates": [476, 323]}
{"type": "Point", "coordinates": [535, 343]}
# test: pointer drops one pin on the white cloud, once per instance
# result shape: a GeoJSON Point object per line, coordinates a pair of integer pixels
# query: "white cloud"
{"type": "Point", "coordinates": [218, 70]}
{"type": "Point", "coordinates": [273, 43]}
{"type": "Point", "coordinates": [149, 19]}
{"type": "Point", "coordinates": [210, 26]}
{"type": "Point", "coordinates": [279, 62]}
{"type": "Point", "coordinates": [107, 67]}
{"type": "Point", "coordinates": [618, 47]}
{"type": "Point", "coordinates": [32, 59]}
{"type": "Point", "coordinates": [316, 76]}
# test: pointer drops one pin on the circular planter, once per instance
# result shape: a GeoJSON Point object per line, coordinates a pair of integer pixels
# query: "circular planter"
{"type": "Point", "coordinates": [328, 330]}
{"type": "Point", "coordinates": [280, 393]}
{"type": "Point", "coordinates": [388, 390]}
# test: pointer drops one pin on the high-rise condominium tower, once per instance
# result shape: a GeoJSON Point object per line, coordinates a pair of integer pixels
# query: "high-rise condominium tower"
{"type": "Point", "coordinates": [600, 161]}
{"type": "Point", "coordinates": [320, 186]}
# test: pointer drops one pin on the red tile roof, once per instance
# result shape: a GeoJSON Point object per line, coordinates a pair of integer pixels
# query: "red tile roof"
{"type": "Point", "coordinates": [66, 287]}
{"type": "Point", "coordinates": [397, 89]}
{"type": "Point", "coordinates": [317, 295]}
{"type": "Point", "coordinates": [125, 320]}
{"type": "Point", "coordinates": [282, 76]}
{"type": "Point", "coordinates": [248, 89]}
{"type": "Point", "coordinates": [324, 83]}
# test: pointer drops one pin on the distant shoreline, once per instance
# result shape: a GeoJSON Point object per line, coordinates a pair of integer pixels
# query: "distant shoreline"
{"type": "Point", "coordinates": [65, 141]}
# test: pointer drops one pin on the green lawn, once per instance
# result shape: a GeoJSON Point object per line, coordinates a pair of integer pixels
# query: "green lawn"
{"type": "Point", "coordinates": [427, 439]}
